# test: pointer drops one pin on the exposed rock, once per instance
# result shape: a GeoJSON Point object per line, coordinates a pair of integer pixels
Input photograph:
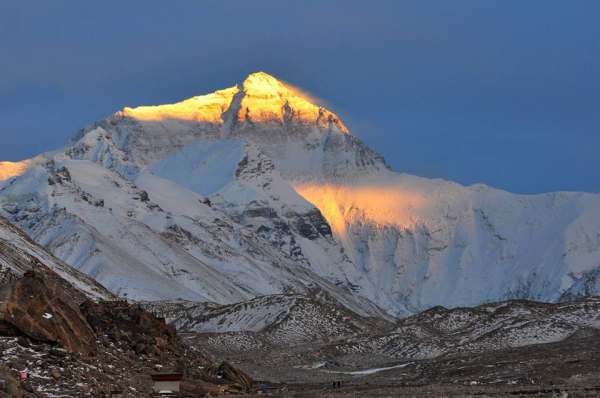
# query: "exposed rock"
{"type": "Point", "coordinates": [144, 196]}
{"type": "Point", "coordinates": [265, 212]}
{"type": "Point", "coordinates": [55, 374]}
{"type": "Point", "coordinates": [37, 306]}
{"type": "Point", "coordinates": [11, 208]}
{"type": "Point", "coordinates": [236, 380]}
{"type": "Point", "coordinates": [122, 322]}
{"type": "Point", "coordinates": [9, 385]}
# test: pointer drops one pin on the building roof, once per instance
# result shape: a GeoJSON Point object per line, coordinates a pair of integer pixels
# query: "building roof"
{"type": "Point", "coordinates": [167, 376]}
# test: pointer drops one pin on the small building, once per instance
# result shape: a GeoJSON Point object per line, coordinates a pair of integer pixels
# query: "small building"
{"type": "Point", "coordinates": [166, 383]}
{"type": "Point", "coordinates": [116, 394]}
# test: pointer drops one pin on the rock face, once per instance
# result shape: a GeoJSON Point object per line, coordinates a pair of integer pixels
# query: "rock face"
{"type": "Point", "coordinates": [44, 308]}
{"type": "Point", "coordinates": [37, 294]}
{"type": "Point", "coordinates": [257, 190]}
{"type": "Point", "coordinates": [38, 307]}
{"type": "Point", "coordinates": [236, 380]}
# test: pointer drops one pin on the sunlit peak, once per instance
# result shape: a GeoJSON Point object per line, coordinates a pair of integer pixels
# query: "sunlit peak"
{"type": "Point", "coordinates": [264, 99]}
{"type": "Point", "coordinates": [263, 82]}
{"type": "Point", "coordinates": [268, 99]}
{"type": "Point", "coordinates": [12, 169]}
{"type": "Point", "coordinates": [205, 108]}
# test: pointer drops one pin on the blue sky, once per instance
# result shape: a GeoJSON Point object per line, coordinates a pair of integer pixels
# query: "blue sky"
{"type": "Point", "coordinates": [501, 92]}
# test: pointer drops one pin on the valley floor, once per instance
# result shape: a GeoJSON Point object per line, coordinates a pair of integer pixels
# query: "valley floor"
{"type": "Point", "coordinates": [569, 368]}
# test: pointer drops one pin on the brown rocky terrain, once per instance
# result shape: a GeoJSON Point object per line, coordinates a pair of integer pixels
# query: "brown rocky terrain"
{"type": "Point", "coordinates": [38, 306]}
{"type": "Point", "coordinates": [93, 348]}
{"type": "Point", "coordinates": [70, 342]}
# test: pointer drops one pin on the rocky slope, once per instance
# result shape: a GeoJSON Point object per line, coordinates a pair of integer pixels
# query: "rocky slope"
{"type": "Point", "coordinates": [277, 319]}
{"type": "Point", "coordinates": [430, 334]}
{"type": "Point", "coordinates": [494, 344]}
{"type": "Point", "coordinates": [256, 190]}
{"type": "Point", "coordinates": [440, 331]}
{"type": "Point", "coordinates": [69, 341]}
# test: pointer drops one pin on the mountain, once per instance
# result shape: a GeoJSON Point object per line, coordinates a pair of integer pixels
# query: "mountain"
{"type": "Point", "coordinates": [257, 190]}
{"type": "Point", "coordinates": [19, 255]}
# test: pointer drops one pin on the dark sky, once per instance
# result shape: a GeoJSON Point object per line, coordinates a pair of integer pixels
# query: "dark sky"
{"type": "Point", "coordinates": [501, 92]}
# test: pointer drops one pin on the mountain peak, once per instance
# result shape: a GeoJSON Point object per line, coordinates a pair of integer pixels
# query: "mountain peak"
{"type": "Point", "coordinates": [264, 84]}
{"type": "Point", "coordinates": [267, 99]}
{"type": "Point", "coordinates": [261, 81]}
{"type": "Point", "coordinates": [263, 99]}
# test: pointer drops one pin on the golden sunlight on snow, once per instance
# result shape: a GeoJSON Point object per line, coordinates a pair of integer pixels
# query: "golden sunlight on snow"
{"type": "Point", "coordinates": [205, 108]}
{"type": "Point", "coordinates": [267, 99]}
{"type": "Point", "coordinates": [383, 205]}
{"type": "Point", "coordinates": [12, 169]}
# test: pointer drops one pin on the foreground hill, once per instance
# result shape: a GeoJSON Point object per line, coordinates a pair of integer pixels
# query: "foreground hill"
{"type": "Point", "coordinates": [73, 339]}
{"type": "Point", "coordinates": [256, 190]}
{"type": "Point", "coordinates": [277, 319]}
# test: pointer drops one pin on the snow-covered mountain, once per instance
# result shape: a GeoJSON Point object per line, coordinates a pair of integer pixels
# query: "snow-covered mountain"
{"type": "Point", "coordinates": [256, 190]}
{"type": "Point", "coordinates": [18, 255]}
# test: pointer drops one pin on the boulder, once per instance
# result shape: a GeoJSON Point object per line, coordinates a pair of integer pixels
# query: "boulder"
{"type": "Point", "coordinates": [39, 307]}
{"type": "Point", "coordinates": [234, 379]}
{"type": "Point", "coordinates": [129, 324]}
{"type": "Point", "coordinates": [9, 385]}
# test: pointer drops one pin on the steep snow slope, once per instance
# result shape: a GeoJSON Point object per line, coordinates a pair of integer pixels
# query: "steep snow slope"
{"type": "Point", "coordinates": [18, 254]}
{"type": "Point", "coordinates": [255, 190]}
{"type": "Point", "coordinates": [152, 239]}
{"type": "Point", "coordinates": [429, 242]}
